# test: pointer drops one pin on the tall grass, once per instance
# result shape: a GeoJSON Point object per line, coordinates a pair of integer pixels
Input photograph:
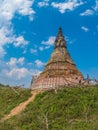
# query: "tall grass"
{"type": "Point", "coordinates": [68, 109]}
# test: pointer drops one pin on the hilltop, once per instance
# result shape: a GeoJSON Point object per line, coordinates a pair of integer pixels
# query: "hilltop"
{"type": "Point", "coordinates": [69, 109]}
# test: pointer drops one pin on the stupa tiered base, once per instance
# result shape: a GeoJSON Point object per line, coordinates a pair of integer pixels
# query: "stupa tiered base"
{"type": "Point", "coordinates": [60, 70]}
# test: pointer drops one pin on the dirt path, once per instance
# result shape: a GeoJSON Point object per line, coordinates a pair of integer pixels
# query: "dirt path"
{"type": "Point", "coordinates": [21, 106]}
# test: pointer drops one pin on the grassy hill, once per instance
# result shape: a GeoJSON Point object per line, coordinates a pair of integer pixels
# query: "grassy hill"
{"type": "Point", "coordinates": [9, 98]}
{"type": "Point", "coordinates": [69, 109]}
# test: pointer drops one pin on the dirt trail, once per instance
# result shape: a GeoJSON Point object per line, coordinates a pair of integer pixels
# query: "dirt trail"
{"type": "Point", "coordinates": [21, 106]}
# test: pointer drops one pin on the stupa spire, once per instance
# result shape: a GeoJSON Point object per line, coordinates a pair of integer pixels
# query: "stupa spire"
{"type": "Point", "coordinates": [60, 32]}
{"type": "Point", "coordinates": [60, 41]}
{"type": "Point", "coordinates": [60, 70]}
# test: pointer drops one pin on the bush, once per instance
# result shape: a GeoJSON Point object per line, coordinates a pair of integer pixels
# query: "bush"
{"type": "Point", "coordinates": [70, 108]}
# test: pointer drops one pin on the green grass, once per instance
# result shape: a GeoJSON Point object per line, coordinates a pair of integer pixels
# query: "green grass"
{"type": "Point", "coordinates": [69, 109]}
{"type": "Point", "coordinates": [9, 98]}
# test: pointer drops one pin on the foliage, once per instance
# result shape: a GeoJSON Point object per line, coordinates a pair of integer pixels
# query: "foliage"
{"type": "Point", "coordinates": [9, 98]}
{"type": "Point", "coordinates": [71, 108]}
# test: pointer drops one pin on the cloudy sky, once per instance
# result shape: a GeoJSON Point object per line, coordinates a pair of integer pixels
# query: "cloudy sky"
{"type": "Point", "coordinates": [28, 29]}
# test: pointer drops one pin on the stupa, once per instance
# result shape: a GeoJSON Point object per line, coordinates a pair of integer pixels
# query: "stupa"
{"type": "Point", "coordinates": [60, 70]}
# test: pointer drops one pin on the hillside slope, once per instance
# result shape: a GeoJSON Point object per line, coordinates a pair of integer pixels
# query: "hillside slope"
{"type": "Point", "coordinates": [20, 107]}
{"type": "Point", "coordinates": [9, 98]}
{"type": "Point", "coordinates": [68, 109]}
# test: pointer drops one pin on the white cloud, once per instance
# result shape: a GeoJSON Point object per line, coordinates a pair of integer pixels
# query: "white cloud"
{"type": "Point", "coordinates": [4, 39]}
{"type": "Point", "coordinates": [17, 73]}
{"type": "Point", "coordinates": [12, 70]}
{"type": "Point", "coordinates": [20, 41]}
{"type": "Point", "coordinates": [7, 37]}
{"type": "Point", "coordinates": [13, 73]}
{"type": "Point", "coordinates": [49, 42]}
{"type": "Point", "coordinates": [16, 76]}
{"type": "Point", "coordinates": [2, 52]}
{"type": "Point", "coordinates": [85, 29]}
{"type": "Point", "coordinates": [8, 9]}
{"type": "Point", "coordinates": [33, 51]}
{"type": "Point", "coordinates": [67, 5]}
{"type": "Point", "coordinates": [92, 11]}
{"type": "Point", "coordinates": [87, 12]}
{"type": "Point", "coordinates": [14, 61]}
{"type": "Point", "coordinates": [21, 60]}
{"type": "Point", "coordinates": [47, 47]}
{"type": "Point", "coordinates": [41, 48]}
{"type": "Point", "coordinates": [96, 6]}
{"type": "Point", "coordinates": [70, 40]}
{"type": "Point", "coordinates": [45, 3]}
{"type": "Point", "coordinates": [4, 35]}
{"type": "Point", "coordinates": [39, 63]}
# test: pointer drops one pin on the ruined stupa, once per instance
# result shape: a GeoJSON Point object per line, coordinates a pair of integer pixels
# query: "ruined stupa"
{"type": "Point", "coordinates": [60, 70]}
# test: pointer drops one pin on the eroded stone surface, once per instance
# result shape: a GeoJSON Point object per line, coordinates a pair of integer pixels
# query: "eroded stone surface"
{"type": "Point", "coordinates": [60, 70]}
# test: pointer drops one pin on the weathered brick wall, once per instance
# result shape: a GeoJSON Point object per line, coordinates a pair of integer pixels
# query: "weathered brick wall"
{"type": "Point", "coordinates": [60, 70]}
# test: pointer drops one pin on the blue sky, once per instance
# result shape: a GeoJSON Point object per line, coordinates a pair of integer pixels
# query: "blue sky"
{"type": "Point", "coordinates": [27, 33]}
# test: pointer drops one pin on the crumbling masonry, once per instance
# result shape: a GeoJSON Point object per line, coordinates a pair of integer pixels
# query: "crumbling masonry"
{"type": "Point", "coordinates": [60, 70]}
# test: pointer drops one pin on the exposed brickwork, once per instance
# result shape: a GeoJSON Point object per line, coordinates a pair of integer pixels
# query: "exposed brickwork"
{"type": "Point", "coordinates": [60, 70]}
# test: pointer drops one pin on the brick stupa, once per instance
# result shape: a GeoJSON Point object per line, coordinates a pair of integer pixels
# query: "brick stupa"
{"type": "Point", "coordinates": [60, 70]}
